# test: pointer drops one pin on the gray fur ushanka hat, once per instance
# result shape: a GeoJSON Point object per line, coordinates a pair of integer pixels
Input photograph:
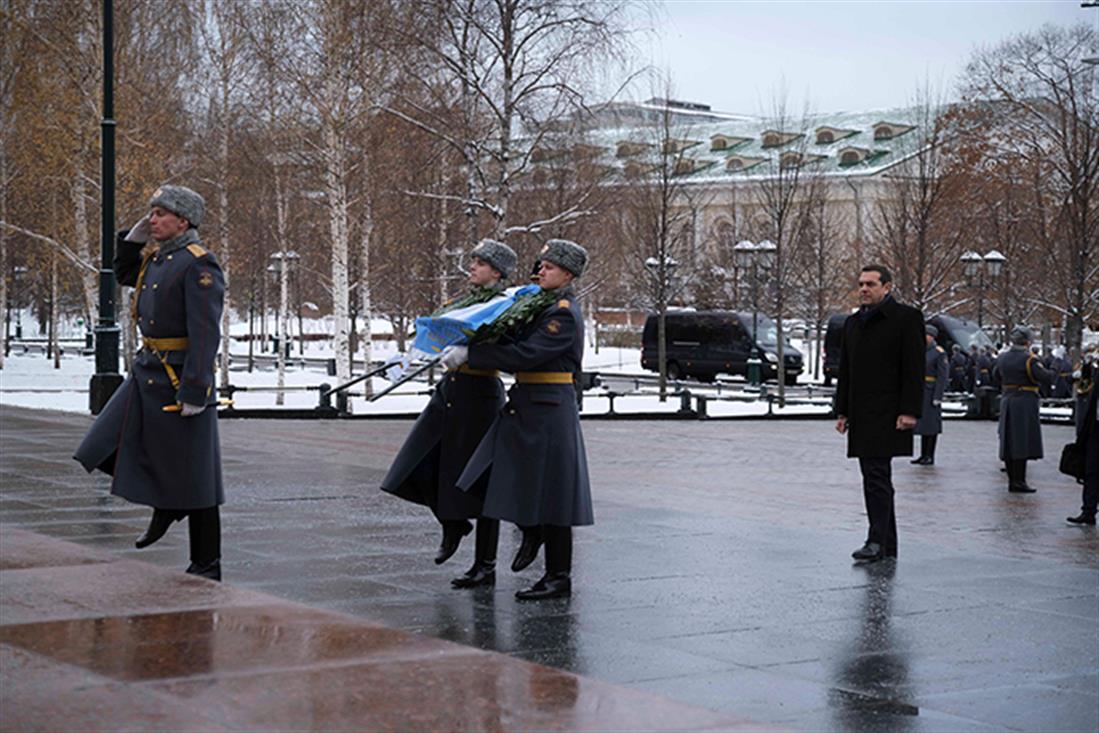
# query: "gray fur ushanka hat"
{"type": "Point", "coordinates": [931, 330]}
{"type": "Point", "coordinates": [498, 255]}
{"type": "Point", "coordinates": [1020, 336]}
{"type": "Point", "coordinates": [181, 201]}
{"type": "Point", "coordinates": [566, 254]}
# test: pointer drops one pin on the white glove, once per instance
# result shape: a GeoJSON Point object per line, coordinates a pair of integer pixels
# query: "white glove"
{"type": "Point", "coordinates": [454, 356]}
{"type": "Point", "coordinates": [187, 410]}
{"type": "Point", "coordinates": [139, 232]}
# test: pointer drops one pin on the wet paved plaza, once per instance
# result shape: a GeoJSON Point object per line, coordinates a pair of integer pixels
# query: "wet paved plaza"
{"type": "Point", "coordinates": [717, 577]}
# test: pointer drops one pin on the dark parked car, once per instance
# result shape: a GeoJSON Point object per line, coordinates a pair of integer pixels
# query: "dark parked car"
{"type": "Point", "coordinates": [702, 344]}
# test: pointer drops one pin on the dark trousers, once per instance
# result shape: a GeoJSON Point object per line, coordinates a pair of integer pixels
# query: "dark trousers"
{"type": "Point", "coordinates": [204, 531]}
{"type": "Point", "coordinates": [558, 549]}
{"type": "Point", "coordinates": [877, 490]}
{"type": "Point", "coordinates": [488, 537]}
{"type": "Point", "coordinates": [1091, 471]}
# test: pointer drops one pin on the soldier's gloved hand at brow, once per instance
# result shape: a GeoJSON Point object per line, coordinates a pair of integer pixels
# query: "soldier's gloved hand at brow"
{"type": "Point", "coordinates": [187, 410]}
{"type": "Point", "coordinates": [139, 232]}
{"type": "Point", "coordinates": [454, 356]}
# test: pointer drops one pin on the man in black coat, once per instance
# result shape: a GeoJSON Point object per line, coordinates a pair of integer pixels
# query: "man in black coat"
{"type": "Point", "coordinates": [1088, 438]}
{"type": "Point", "coordinates": [879, 397]}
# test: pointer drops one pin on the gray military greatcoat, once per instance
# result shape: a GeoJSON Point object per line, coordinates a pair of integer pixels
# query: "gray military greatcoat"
{"type": "Point", "coordinates": [1021, 374]}
{"type": "Point", "coordinates": [531, 466]}
{"type": "Point", "coordinates": [160, 458]}
{"type": "Point", "coordinates": [936, 374]}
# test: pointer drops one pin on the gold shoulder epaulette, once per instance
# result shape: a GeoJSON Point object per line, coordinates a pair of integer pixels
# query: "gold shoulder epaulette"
{"type": "Point", "coordinates": [196, 250]}
{"type": "Point", "coordinates": [563, 303]}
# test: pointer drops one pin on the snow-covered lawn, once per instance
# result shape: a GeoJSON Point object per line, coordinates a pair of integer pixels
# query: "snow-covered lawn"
{"type": "Point", "coordinates": [31, 381]}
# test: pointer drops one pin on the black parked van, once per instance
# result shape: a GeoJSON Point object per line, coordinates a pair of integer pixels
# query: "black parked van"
{"type": "Point", "coordinates": [702, 344]}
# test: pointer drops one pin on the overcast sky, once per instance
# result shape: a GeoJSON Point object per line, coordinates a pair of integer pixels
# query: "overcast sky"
{"type": "Point", "coordinates": [840, 55]}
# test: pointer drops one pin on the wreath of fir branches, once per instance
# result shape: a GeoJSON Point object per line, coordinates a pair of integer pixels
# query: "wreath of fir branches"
{"type": "Point", "coordinates": [521, 314]}
{"type": "Point", "coordinates": [479, 294]}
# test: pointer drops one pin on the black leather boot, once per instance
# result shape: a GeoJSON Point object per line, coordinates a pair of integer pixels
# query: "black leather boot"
{"type": "Point", "coordinates": [204, 529]}
{"type": "Point", "coordinates": [158, 525]}
{"type": "Point", "coordinates": [1085, 517]}
{"type": "Point", "coordinates": [1017, 477]}
{"type": "Point", "coordinates": [453, 532]}
{"type": "Point", "coordinates": [548, 586]}
{"type": "Point", "coordinates": [528, 548]}
{"type": "Point", "coordinates": [483, 572]}
{"type": "Point", "coordinates": [932, 441]}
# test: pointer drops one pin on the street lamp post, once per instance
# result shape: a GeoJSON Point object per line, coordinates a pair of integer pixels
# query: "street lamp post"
{"type": "Point", "coordinates": [976, 268]}
{"type": "Point", "coordinates": [106, 378]}
{"type": "Point", "coordinates": [662, 269]}
{"type": "Point", "coordinates": [751, 258]}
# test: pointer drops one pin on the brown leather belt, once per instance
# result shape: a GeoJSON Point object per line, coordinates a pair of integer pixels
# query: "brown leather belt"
{"type": "Point", "coordinates": [930, 380]}
{"type": "Point", "coordinates": [543, 377]}
{"type": "Point", "coordinates": [1019, 388]}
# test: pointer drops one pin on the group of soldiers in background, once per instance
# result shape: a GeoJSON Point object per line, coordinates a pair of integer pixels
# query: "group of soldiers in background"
{"type": "Point", "coordinates": [972, 369]}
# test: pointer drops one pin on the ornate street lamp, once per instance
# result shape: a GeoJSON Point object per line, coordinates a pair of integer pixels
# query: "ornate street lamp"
{"type": "Point", "coordinates": [976, 268]}
{"type": "Point", "coordinates": [753, 258]}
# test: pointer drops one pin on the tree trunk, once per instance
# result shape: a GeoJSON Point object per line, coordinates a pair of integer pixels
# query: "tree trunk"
{"type": "Point", "coordinates": [366, 306]}
{"type": "Point", "coordinates": [55, 348]}
{"type": "Point", "coordinates": [224, 255]}
{"type": "Point", "coordinates": [336, 190]}
{"type": "Point", "coordinates": [282, 323]}
{"type": "Point", "coordinates": [4, 252]}
{"type": "Point", "coordinates": [89, 279]}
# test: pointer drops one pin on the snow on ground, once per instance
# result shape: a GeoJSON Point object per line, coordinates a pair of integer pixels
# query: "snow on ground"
{"type": "Point", "coordinates": [31, 381]}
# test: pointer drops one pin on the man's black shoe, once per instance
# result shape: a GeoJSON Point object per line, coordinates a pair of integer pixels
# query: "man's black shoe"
{"type": "Point", "coordinates": [550, 586]}
{"type": "Point", "coordinates": [481, 574]}
{"type": "Point", "coordinates": [453, 532]}
{"type": "Point", "coordinates": [924, 461]}
{"type": "Point", "coordinates": [528, 550]}
{"type": "Point", "coordinates": [1084, 518]}
{"type": "Point", "coordinates": [870, 552]}
{"type": "Point", "coordinates": [158, 525]}
{"type": "Point", "coordinates": [1021, 488]}
{"type": "Point", "coordinates": [210, 571]}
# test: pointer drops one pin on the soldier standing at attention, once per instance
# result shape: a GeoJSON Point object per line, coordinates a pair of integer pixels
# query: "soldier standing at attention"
{"type": "Point", "coordinates": [935, 375]}
{"type": "Point", "coordinates": [984, 367]}
{"type": "Point", "coordinates": [531, 465]}
{"type": "Point", "coordinates": [461, 409]}
{"type": "Point", "coordinates": [156, 435]}
{"type": "Point", "coordinates": [1021, 374]}
{"type": "Point", "coordinates": [879, 397]}
{"type": "Point", "coordinates": [958, 368]}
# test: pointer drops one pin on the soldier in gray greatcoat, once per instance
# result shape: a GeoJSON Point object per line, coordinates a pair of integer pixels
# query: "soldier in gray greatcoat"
{"type": "Point", "coordinates": [157, 436]}
{"type": "Point", "coordinates": [459, 413]}
{"type": "Point", "coordinates": [1021, 374]}
{"type": "Point", "coordinates": [935, 375]}
{"type": "Point", "coordinates": [531, 465]}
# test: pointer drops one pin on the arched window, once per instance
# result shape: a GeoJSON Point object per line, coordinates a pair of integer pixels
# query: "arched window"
{"type": "Point", "coordinates": [734, 164]}
{"type": "Point", "coordinates": [824, 137]}
{"type": "Point", "coordinates": [771, 141]}
{"type": "Point", "coordinates": [850, 157]}
{"type": "Point", "coordinates": [883, 132]}
{"type": "Point", "coordinates": [790, 160]}
{"type": "Point", "coordinates": [718, 143]}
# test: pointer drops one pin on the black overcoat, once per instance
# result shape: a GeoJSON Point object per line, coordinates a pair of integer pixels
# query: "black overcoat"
{"type": "Point", "coordinates": [531, 465]}
{"type": "Point", "coordinates": [935, 376]}
{"type": "Point", "coordinates": [441, 442]}
{"type": "Point", "coordinates": [881, 377]}
{"type": "Point", "coordinates": [159, 458]}
{"type": "Point", "coordinates": [1021, 375]}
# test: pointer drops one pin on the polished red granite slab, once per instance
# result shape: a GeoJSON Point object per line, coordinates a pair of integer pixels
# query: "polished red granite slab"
{"type": "Point", "coordinates": [90, 643]}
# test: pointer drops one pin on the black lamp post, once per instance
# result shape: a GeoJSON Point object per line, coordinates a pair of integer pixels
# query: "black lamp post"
{"type": "Point", "coordinates": [751, 258]}
{"type": "Point", "coordinates": [106, 378]}
{"type": "Point", "coordinates": [976, 267]}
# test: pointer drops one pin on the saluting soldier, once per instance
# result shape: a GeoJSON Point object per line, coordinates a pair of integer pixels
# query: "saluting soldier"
{"type": "Point", "coordinates": [1021, 374]}
{"type": "Point", "coordinates": [935, 374]}
{"type": "Point", "coordinates": [1061, 369]}
{"type": "Point", "coordinates": [958, 368]}
{"type": "Point", "coordinates": [461, 409]}
{"type": "Point", "coordinates": [156, 435]}
{"type": "Point", "coordinates": [531, 465]}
